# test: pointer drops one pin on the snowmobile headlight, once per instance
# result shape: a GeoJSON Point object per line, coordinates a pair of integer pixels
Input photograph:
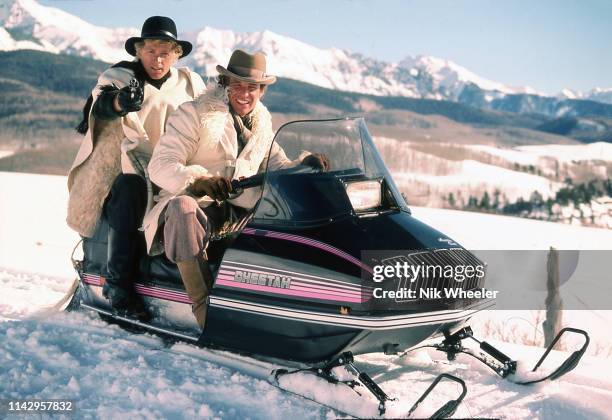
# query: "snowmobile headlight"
{"type": "Point", "coordinates": [364, 195]}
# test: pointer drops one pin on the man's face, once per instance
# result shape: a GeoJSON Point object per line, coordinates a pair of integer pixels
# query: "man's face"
{"type": "Point", "coordinates": [243, 96]}
{"type": "Point", "coordinates": [157, 58]}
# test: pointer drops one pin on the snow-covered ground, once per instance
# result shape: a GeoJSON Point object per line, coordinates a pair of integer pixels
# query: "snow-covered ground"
{"type": "Point", "coordinates": [472, 177]}
{"type": "Point", "coordinates": [111, 373]}
{"type": "Point", "coordinates": [567, 153]}
{"type": "Point", "coordinates": [429, 176]}
{"type": "Point", "coordinates": [563, 153]}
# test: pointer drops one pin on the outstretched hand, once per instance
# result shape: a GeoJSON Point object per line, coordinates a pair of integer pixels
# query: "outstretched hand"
{"type": "Point", "coordinates": [216, 187]}
{"type": "Point", "coordinates": [317, 161]}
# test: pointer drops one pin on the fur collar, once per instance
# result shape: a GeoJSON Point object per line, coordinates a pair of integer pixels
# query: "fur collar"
{"type": "Point", "coordinates": [213, 114]}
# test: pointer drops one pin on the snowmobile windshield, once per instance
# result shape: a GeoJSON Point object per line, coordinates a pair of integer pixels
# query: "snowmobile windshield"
{"type": "Point", "coordinates": [356, 183]}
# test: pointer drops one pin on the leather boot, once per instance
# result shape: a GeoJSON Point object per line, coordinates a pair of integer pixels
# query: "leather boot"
{"type": "Point", "coordinates": [121, 266]}
{"type": "Point", "coordinates": [196, 278]}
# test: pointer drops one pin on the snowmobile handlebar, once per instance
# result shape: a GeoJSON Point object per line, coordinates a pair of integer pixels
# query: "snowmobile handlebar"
{"type": "Point", "coordinates": [258, 179]}
{"type": "Point", "coordinates": [250, 182]}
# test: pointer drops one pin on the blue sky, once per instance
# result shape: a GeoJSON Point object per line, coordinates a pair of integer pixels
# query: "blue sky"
{"type": "Point", "coordinates": [546, 44]}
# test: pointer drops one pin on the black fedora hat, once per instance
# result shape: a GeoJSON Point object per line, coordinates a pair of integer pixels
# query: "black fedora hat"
{"type": "Point", "coordinates": [157, 27]}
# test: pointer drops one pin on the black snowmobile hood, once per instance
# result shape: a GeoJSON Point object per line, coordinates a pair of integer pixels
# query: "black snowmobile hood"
{"type": "Point", "coordinates": [352, 235]}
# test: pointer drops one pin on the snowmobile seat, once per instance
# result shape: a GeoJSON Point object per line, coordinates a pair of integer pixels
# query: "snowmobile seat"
{"type": "Point", "coordinates": [161, 269]}
{"type": "Point", "coordinates": [151, 269]}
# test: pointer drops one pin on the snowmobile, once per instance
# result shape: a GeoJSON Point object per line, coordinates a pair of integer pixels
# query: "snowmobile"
{"type": "Point", "coordinates": [292, 285]}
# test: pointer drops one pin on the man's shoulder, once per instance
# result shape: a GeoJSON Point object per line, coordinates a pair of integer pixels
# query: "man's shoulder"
{"type": "Point", "coordinates": [187, 72]}
{"type": "Point", "coordinates": [186, 110]}
{"type": "Point", "coordinates": [193, 78]}
{"type": "Point", "coordinates": [213, 99]}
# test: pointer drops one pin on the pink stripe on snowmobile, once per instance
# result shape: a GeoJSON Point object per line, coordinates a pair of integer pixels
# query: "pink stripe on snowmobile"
{"type": "Point", "coordinates": [162, 294]}
{"type": "Point", "coordinates": [156, 292]}
{"type": "Point", "coordinates": [92, 279]}
{"type": "Point", "coordinates": [310, 242]}
{"type": "Point", "coordinates": [298, 282]}
{"type": "Point", "coordinates": [230, 270]}
{"type": "Point", "coordinates": [229, 281]}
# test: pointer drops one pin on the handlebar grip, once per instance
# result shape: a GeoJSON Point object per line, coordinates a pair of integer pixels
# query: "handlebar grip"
{"type": "Point", "coordinates": [250, 182]}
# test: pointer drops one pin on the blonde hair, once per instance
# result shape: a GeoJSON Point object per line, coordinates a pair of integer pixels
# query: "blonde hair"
{"type": "Point", "coordinates": [176, 47]}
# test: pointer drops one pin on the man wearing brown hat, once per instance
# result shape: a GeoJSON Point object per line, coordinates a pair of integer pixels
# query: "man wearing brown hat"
{"type": "Point", "coordinates": [122, 122]}
{"type": "Point", "coordinates": [224, 134]}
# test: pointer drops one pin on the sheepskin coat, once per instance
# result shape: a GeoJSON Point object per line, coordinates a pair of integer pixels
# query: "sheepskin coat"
{"type": "Point", "coordinates": [201, 141]}
{"type": "Point", "coordinates": [123, 144]}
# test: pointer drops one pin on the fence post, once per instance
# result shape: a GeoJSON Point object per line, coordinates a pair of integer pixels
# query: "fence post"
{"type": "Point", "coordinates": [554, 304]}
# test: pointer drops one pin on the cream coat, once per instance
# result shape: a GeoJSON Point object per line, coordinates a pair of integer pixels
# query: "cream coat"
{"type": "Point", "coordinates": [201, 141]}
{"type": "Point", "coordinates": [121, 145]}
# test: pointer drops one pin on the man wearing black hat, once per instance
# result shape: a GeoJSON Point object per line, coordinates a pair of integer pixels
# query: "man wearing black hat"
{"type": "Point", "coordinates": [122, 122]}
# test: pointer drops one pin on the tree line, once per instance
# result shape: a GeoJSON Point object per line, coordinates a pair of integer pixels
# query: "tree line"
{"type": "Point", "coordinates": [535, 206]}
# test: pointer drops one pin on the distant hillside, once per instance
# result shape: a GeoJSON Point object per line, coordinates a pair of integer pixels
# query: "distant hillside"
{"type": "Point", "coordinates": [582, 119]}
{"type": "Point", "coordinates": [292, 96]}
{"type": "Point", "coordinates": [584, 129]}
{"type": "Point", "coordinates": [43, 91]}
{"type": "Point", "coordinates": [66, 74]}
{"type": "Point", "coordinates": [59, 77]}
{"type": "Point", "coordinates": [43, 95]}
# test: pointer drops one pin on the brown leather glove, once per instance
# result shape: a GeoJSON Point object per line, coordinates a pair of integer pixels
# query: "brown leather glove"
{"type": "Point", "coordinates": [216, 187]}
{"type": "Point", "coordinates": [318, 161]}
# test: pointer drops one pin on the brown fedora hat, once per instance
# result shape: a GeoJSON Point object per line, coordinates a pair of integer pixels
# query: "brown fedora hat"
{"type": "Point", "coordinates": [247, 68]}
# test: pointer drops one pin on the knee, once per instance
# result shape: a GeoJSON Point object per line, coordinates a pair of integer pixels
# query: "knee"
{"type": "Point", "coordinates": [180, 206]}
{"type": "Point", "coordinates": [129, 183]}
{"type": "Point", "coordinates": [129, 187]}
{"type": "Point", "coordinates": [126, 203]}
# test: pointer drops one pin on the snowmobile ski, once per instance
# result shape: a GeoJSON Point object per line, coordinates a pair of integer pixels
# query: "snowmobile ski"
{"type": "Point", "coordinates": [502, 364]}
{"type": "Point", "coordinates": [346, 360]}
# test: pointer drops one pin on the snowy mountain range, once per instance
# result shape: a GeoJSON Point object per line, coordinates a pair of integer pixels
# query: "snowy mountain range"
{"type": "Point", "coordinates": [596, 94]}
{"type": "Point", "coordinates": [25, 24]}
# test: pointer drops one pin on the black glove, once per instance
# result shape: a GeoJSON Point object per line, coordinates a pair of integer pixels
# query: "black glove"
{"type": "Point", "coordinates": [216, 187]}
{"type": "Point", "coordinates": [317, 161]}
{"type": "Point", "coordinates": [130, 97]}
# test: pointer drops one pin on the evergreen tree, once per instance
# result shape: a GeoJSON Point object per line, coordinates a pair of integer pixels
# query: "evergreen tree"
{"type": "Point", "coordinates": [485, 202]}
{"type": "Point", "coordinates": [536, 198]}
{"type": "Point", "coordinates": [496, 202]}
{"type": "Point", "coordinates": [472, 202]}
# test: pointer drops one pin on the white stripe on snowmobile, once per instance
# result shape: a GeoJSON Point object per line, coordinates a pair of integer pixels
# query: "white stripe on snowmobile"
{"type": "Point", "coordinates": [308, 277]}
{"type": "Point", "coordinates": [372, 323]}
